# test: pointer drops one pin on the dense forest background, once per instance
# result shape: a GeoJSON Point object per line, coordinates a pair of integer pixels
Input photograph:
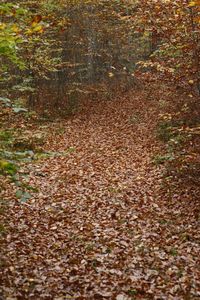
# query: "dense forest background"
{"type": "Point", "coordinates": [99, 105]}
{"type": "Point", "coordinates": [64, 49]}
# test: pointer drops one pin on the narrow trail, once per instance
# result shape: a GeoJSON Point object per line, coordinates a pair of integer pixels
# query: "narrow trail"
{"type": "Point", "coordinates": [100, 228]}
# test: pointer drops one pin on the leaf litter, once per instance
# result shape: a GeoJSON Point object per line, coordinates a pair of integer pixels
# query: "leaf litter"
{"type": "Point", "coordinates": [101, 227]}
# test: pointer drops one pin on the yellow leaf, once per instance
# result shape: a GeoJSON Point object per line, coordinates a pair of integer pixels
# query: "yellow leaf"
{"type": "Point", "coordinates": [2, 26]}
{"type": "Point", "coordinates": [3, 164]}
{"type": "Point", "coordinates": [38, 29]}
{"type": "Point", "coordinates": [15, 28]}
{"type": "Point", "coordinates": [194, 3]}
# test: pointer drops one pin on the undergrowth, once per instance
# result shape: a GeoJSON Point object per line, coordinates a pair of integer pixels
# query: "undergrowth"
{"type": "Point", "coordinates": [179, 131]}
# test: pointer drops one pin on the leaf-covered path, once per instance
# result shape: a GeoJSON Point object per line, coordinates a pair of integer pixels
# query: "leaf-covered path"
{"type": "Point", "coordinates": [100, 226]}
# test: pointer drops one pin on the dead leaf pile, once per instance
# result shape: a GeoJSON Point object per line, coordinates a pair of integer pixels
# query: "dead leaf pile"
{"type": "Point", "coordinates": [100, 226]}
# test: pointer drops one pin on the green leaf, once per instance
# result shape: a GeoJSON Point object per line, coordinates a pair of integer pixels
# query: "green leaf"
{"type": "Point", "coordinates": [19, 109]}
{"type": "Point", "coordinates": [7, 167]}
{"type": "Point", "coordinates": [6, 101]}
{"type": "Point", "coordinates": [19, 194]}
{"type": "Point", "coordinates": [23, 196]}
{"type": "Point", "coordinates": [26, 196]}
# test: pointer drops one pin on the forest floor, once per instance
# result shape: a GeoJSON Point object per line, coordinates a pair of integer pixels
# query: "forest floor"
{"type": "Point", "coordinates": [101, 225]}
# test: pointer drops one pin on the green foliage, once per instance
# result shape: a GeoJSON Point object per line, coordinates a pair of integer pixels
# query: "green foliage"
{"type": "Point", "coordinates": [167, 131]}
{"type": "Point", "coordinates": [5, 136]}
{"type": "Point", "coordinates": [161, 159]}
{"type": "Point", "coordinates": [46, 154]}
{"type": "Point", "coordinates": [13, 154]}
{"type": "Point", "coordinates": [13, 105]}
{"type": "Point", "coordinates": [164, 131]}
{"type": "Point", "coordinates": [23, 195]}
{"type": "Point", "coordinates": [10, 37]}
{"type": "Point", "coordinates": [9, 46]}
{"type": "Point", "coordinates": [19, 109]}
{"type": "Point", "coordinates": [7, 167]}
{"type": "Point", "coordinates": [5, 101]}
